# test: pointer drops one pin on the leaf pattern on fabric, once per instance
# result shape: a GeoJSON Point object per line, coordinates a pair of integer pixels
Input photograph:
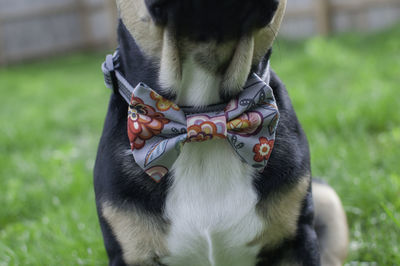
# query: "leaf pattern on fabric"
{"type": "Point", "coordinates": [273, 125]}
{"type": "Point", "coordinates": [156, 151]}
{"type": "Point", "coordinates": [235, 143]}
{"type": "Point", "coordinates": [163, 104]}
{"type": "Point", "coordinates": [158, 128]}
{"type": "Point", "coordinates": [247, 124]}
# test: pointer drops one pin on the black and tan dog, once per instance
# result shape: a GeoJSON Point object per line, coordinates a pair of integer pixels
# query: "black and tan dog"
{"type": "Point", "coordinates": [212, 209]}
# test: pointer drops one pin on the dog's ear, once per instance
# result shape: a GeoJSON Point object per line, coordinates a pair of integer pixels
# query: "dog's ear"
{"type": "Point", "coordinates": [264, 38]}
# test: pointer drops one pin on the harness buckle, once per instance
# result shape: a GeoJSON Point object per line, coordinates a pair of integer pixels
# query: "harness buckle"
{"type": "Point", "coordinates": [111, 69]}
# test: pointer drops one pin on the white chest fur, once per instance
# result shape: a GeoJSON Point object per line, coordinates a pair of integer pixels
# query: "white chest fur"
{"type": "Point", "coordinates": [211, 203]}
{"type": "Point", "coordinates": [211, 206]}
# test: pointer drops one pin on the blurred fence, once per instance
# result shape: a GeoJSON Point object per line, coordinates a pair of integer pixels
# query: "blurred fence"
{"type": "Point", "coordinates": [305, 18]}
{"type": "Point", "coordinates": [37, 28]}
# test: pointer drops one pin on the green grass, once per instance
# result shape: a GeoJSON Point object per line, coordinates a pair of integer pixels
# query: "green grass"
{"type": "Point", "coordinates": [345, 90]}
{"type": "Point", "coordinates": [51, 117]}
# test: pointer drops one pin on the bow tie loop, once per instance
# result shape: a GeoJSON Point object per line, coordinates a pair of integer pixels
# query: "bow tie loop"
{"type": "Point", "coordinates": [208, 126]}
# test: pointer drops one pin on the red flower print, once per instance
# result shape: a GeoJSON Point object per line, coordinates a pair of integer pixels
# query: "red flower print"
{"type": "Point", "coordinates": [143, 123]}
{"type": "Point", "coordinates": [263, 149]}
{"type": "Point", "coordinates": [162, 103]}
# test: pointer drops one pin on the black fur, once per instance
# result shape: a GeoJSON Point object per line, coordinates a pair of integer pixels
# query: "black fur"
{"type": "Point", "coordinates": [119, 180]}
{"type": "Point", "coordinates": [202, 20]}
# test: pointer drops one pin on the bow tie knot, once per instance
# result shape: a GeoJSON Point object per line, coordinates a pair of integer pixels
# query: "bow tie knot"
{"type": "Point", "coordinates": [206, 126]}
{"type": "Point", "coordinates": [157, 127]}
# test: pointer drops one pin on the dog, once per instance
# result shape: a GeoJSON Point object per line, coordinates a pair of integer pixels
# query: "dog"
{"type": "Point", "coordinates": [211, 207]}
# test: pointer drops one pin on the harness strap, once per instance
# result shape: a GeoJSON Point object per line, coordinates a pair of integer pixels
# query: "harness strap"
{"type": "Point", "coordinates": [114, 80]}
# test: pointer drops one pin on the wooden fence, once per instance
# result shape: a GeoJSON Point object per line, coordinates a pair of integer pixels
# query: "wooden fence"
{"type": "Point", "coordinates": [38, 28]}
{"type": "Point", "coordinates": [309, 17]}
{"type": "Point", "coordinates": [34, 29]}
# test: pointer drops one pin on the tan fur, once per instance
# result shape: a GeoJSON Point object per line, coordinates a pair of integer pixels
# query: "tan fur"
{"type": "Point", "coordinates": [170, 65]}
{"type": "Point", "coordinates": [330, 213]}
{"type": "Point", "coordinates": [158, 43]}
{"type": "Point", "coordinates": [236, 75]}
{"type": "Point", "coordinates": [140, 236]}
{"type": "Point", "coordinates": [212, 56]}
{"type": "Point", "coordinates": [281, 211]}
{"type": "Point", "coordinates": [264, 38]}
{"type": "Point", "coordinates": [137, 20]}
{"type": "Point", "coordinates": [250, 51]}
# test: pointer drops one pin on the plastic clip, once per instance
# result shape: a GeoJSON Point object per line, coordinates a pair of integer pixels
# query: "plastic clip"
{"type": "Point", "coordinates": [111, 70]}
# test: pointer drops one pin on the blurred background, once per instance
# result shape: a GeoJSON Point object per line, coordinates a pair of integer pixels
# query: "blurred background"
{"type": "Point", "coordinates": [35, 29]}
{"type": "Point", "coordinates": [340, 60]}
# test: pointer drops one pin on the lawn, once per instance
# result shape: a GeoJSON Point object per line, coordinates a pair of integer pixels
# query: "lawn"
{"type": "Point", "coordinates": [345, 89]}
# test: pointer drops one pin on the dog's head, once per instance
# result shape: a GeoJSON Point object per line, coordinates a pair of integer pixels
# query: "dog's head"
{"type": "Point", "coordinates": [224, 37]}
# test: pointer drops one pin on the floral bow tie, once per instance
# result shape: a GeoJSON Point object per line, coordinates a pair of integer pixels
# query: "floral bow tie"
{"type": "Point", "coordinates": [158, 128]}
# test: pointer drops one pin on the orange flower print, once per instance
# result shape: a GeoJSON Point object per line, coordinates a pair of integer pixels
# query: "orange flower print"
{"type": "Point", "coordinates": [263, 149]}
{"type": "Point", "coordinates": [162, 103]}
{"type": "Point", "coordinates": [205, 131]}
{"type": "Point", "coordinates": [143, 123]}
{"type": "Point", "coordinates": [202, 127]}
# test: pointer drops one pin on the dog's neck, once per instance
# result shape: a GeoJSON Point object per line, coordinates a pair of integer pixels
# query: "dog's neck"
{"type": "Point", "coordinates": [135, 65]}
{"type": "Point", "coordinates": [197, 87]}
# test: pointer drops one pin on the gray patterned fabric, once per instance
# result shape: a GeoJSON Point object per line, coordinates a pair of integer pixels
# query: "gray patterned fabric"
{"type": "Point", "coordinates": [158, 128]}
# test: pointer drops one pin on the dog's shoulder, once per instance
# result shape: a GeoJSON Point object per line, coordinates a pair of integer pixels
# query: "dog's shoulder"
{"type": "Point", "coordinates": [117, 177]}
{"type": "Point", "coordinates": [290, 159]}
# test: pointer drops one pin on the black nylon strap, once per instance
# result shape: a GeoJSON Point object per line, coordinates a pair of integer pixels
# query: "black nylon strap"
{"type": "Point", "coordinates": [111, 73]}
{"type": "Point", "coordinates": [114, 79]}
